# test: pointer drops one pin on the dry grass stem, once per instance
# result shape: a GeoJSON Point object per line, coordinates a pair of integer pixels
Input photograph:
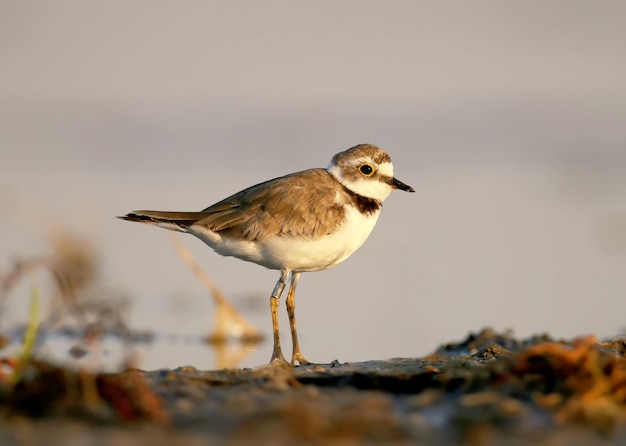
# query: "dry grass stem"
{"type": "Point", "coordinates": [229, 323]}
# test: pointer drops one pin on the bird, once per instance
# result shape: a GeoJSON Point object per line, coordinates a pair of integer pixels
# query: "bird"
{"type": "Point", "coordinates": [305, 221]}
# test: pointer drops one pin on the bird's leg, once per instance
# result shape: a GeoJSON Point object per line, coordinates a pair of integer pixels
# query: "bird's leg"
{"type": "Point", "coordinates": [277, 353]}
{"type": "Point", "coordinates": [296, 354]}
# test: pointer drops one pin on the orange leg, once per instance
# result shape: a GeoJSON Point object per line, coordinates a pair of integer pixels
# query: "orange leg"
{"type": "Point", "coordinates": [277, 353]}
{"type": "Point", "coordinates": [296, 354]}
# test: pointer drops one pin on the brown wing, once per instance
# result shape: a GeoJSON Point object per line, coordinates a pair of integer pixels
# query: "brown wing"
{"type": "Point", "coordinates": [303, 204]}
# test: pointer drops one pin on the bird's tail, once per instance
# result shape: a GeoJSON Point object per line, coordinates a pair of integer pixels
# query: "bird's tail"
{"type": "Point", "coordinates": [175, 221]}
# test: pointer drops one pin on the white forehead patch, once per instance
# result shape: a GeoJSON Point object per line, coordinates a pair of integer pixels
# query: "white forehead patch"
{"type": "Point", "coordinates": [386, 169]}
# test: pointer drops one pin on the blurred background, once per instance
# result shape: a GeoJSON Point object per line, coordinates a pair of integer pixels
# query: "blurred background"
{"type": "Point", "coordinates": [509, 120]}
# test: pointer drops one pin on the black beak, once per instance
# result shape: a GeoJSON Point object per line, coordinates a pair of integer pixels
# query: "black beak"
{"type": "Point", "coordinates": [397, 184]}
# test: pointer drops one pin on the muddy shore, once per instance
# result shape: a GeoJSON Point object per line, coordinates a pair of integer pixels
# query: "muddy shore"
{"type": "Point", "coordinates": [487, 389]}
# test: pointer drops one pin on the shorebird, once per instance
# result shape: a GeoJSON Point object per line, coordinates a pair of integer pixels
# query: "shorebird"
{"type": "Point", "coordinates": [304, 221]}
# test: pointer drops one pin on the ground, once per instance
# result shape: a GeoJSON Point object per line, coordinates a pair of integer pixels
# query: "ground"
{"type": "Point", "coordinates": [487, 389]}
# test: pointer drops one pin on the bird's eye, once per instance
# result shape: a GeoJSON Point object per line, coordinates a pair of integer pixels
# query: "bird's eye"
{"type": "Point", "coordinates": [366, 169]}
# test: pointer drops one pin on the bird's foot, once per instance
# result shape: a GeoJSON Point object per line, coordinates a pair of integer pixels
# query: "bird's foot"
{"type": "Point", "coordinates": [297, 357]}
{"type": "Point", "coordinates": [278, 358]}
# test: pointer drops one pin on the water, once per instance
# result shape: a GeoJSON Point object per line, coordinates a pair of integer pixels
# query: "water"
{"type": "Point", "coordinates": [475, 246]}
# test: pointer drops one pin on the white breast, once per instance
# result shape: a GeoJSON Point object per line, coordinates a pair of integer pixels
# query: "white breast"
{"type": "Point", "coordinates": [295, 253]}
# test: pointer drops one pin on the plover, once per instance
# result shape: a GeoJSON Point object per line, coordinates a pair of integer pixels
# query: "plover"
{"type": "Point", "coordinates": [305, 221]}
